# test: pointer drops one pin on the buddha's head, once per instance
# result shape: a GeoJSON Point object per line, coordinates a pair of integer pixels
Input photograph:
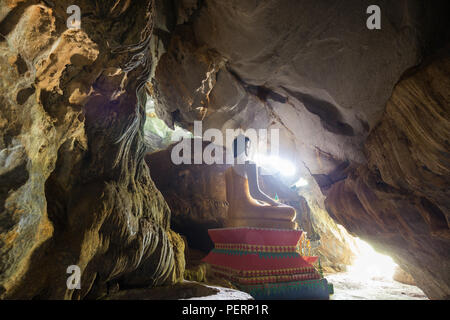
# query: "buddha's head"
{"type": "Point", "coordinates": [241, 145]}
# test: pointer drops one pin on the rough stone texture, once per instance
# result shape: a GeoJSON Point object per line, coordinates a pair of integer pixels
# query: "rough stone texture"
{"type": "Point", "coordinates": [288, 64]}
{"type": "Point", "coordinates": [399, 202]}
{"type": "Point", "coordinates": [195, 193]}
{"type": "Point", "coordinates": [314, 70]}
{"type": "Point", "coordinates": [199, 271]}
{"type": "Point", "coordinates": [402, 276]}
{"type": "Point", "coordinates": [187, 290]}
{"type": "Point", "coordinates": [337, 248]}
{"type": "Point", "coordinates": [184, 290]}
{"type": "Point", "coordinates": [74, 189]}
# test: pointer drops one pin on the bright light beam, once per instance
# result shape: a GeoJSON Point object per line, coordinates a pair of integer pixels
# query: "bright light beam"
{"type": "Point", "coordinates": [302, 182]}
{"type": "Point", "coordinates": [370, 264]}
{"type": "Point", "coordinates": [275, 164]}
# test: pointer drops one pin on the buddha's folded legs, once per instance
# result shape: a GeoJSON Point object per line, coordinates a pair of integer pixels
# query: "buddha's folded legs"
{"type": "Point", "coordinates": [256, 211]}
{"type": "Point", "coordinates": [261, 223]}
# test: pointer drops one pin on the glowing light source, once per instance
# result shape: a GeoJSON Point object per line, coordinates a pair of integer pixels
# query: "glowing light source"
{"type": "Point", "coordinates": [274, 164]}
{"type": "Point", "coordinates": [369, 264]}
{"type": "Point", "coordinates": [302, 182]}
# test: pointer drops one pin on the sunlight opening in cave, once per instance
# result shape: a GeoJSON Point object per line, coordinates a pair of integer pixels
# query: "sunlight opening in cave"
{"type": "Point", "coordinates": [157, 134]}
{"type": "Point", "coordinates": [302, 182]}
{"type": "Point", "coordinates": [370, 265]}
{"type": "Point", "coordinates": [274, 165]}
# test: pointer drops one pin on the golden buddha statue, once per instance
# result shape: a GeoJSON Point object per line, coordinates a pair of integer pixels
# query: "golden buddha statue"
{"type": "Point", "coordinates": [248, 205]}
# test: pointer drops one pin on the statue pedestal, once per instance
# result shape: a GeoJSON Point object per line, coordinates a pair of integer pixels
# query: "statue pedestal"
{"type": "Point", "coordinates": [266, 263]}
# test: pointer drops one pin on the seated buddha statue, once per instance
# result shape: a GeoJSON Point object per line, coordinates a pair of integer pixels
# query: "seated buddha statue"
{"type": "Point", "coordinates": [248, 205]}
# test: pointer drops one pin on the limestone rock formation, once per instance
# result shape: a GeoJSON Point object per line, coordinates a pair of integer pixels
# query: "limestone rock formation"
{"type": "Point", "coordinates": [399, 202]}
{"type": "Point", "coordinates": [287, 64]}
{"type": "Point", "coordinates": [196, 194]}
{"type": "Point", "coordinates": [402, 276]}
{"type": "Point", "coordinates": [74, 189]}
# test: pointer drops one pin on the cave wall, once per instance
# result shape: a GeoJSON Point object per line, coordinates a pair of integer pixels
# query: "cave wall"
{"type": "Point", "coordinates": [195, 193]}
{"type": "Point", "coordinates": [399, 201]}
{"type": "Point", "coordinates": [74, 189]}
{"type": "Point", "coordinates": [290, 65]}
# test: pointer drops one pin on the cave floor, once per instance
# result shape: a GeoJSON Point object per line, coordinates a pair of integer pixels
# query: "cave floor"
{"type": "Point", "coordinates": [187, 290]}
{"type": "Point", "coordinates": [349, 287]}
{"type": "Point", "coordinates": [346, 287]}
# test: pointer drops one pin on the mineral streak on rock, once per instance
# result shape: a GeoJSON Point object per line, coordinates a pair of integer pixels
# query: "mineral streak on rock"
{"type": "Point", "coordinates": [74, 189]}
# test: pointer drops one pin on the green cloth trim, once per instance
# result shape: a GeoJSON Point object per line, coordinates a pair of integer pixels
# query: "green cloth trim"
{"type": "Point", "coordinates": [275, 288]}
{"type": "Point", "coordinates": [262, 255]}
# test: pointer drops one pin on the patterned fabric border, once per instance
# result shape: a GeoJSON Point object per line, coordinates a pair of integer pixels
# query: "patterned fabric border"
{"type": "Point", "coordinates": [261, 273]}
{"type": "Point", "coordinates": [267, 279]}
{"type": "Point", "coordinates": [266, 255]}
{"type": "Point", "coordinates": [256, 236]}
{"type": "Point", "coordinates": [255, 248]}
{"type": "Point", "coordinates": [259, 229]}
